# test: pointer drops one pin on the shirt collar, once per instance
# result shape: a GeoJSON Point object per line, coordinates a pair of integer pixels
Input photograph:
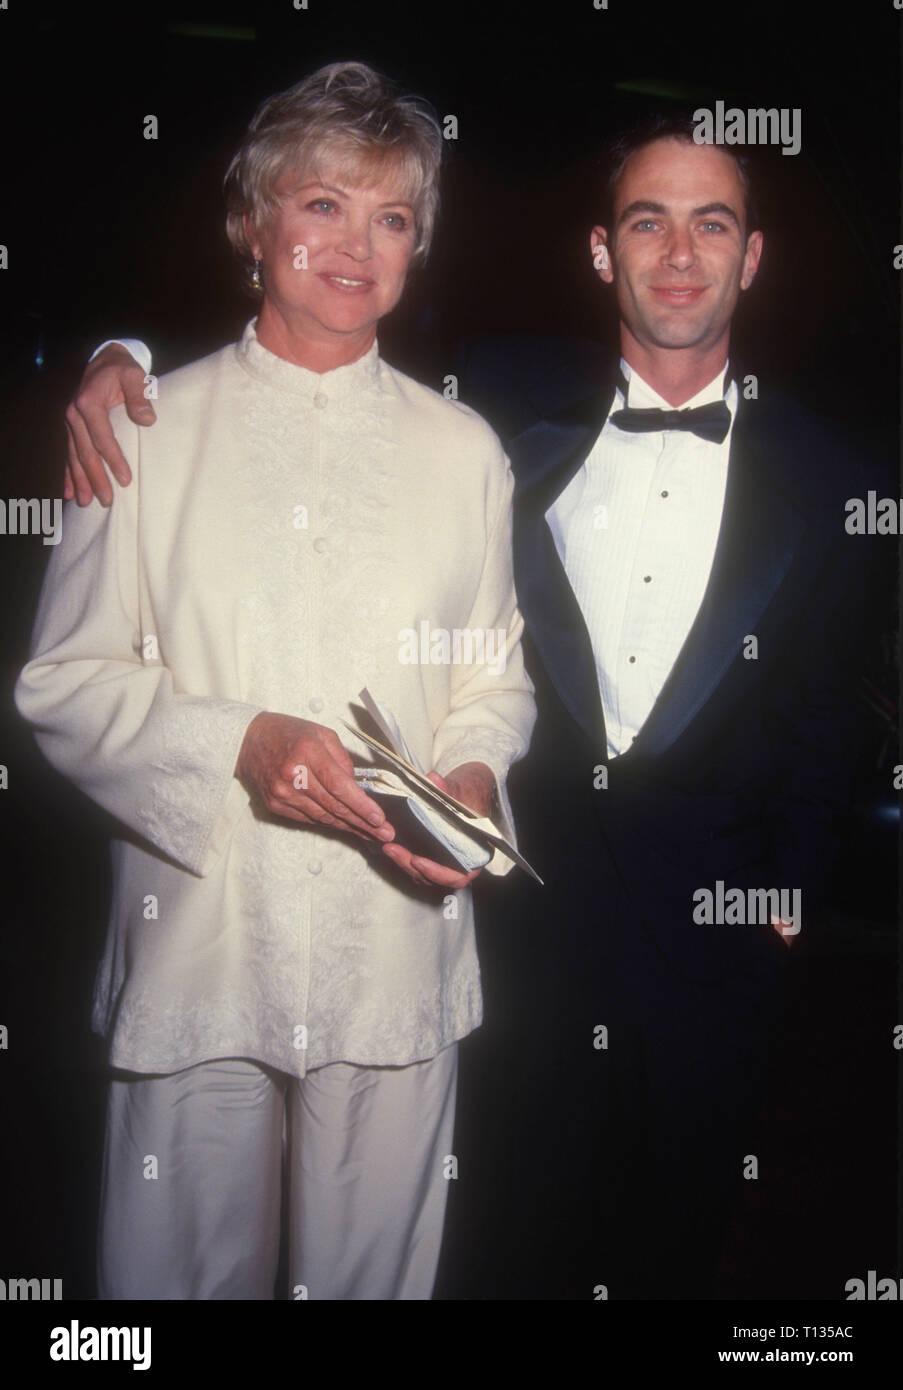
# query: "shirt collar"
{"type": "Point", "coordinates": [642, 396]}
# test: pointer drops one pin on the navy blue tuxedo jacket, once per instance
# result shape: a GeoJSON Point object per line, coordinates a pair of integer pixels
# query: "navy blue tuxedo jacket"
{"type": "Point", "coordinates": [740, 771]}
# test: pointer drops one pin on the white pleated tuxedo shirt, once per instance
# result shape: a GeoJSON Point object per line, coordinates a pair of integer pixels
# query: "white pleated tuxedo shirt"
{"type": "Point", "coordinates": [636, 529]}
{"type": "Point", "coordinates": [282, 530]}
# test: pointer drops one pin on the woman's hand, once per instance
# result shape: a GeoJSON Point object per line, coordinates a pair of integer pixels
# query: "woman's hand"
{"type": "Point", "coordinates": [473, 784]}
{"type": "Point", "coordinates": [113, 378]}
{"type": "Point", "coordinates": [299, 770]}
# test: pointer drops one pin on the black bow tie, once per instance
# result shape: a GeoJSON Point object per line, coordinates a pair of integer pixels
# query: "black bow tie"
{"type": "Point", "coordinates": [710, 421]}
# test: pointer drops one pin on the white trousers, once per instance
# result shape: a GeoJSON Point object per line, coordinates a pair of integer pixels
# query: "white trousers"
{"type": "Point", "coordinates": [202, 1167]}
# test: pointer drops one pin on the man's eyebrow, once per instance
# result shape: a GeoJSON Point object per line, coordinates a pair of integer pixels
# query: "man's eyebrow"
{"type": "Point", "coordinates": [645, 205]}
{"type": "Point", "coordinates": [641, 205]}
{"type": "Point", "coordinates": [724, 209]}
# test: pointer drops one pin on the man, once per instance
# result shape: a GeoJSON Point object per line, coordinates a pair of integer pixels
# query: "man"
{"type": "Point", "coordinates": [690, 599]}
{"type": "Point", "coordinates": [689, 605]}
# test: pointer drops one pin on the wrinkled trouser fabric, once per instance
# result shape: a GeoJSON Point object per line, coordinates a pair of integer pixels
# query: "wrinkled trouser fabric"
{"type": "Point", "coordinates": [202, 1167]}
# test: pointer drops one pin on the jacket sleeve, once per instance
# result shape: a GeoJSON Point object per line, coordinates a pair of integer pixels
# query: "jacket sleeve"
{"type": "Point", "coordinates": [106, 712]}
{"type": "Point", "coordinates": [816, 718]}
{"type": "Point", "coordinates": [492, 711]}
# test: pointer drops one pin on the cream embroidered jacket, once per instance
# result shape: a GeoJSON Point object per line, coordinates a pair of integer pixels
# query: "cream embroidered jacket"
{"type": "Point", "coordinates": [285, 534]}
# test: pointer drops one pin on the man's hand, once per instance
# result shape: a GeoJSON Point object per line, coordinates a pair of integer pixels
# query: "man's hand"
{"type": "Point", "coordinates": [473, 784]}
{"type": "Point", "coordinates": [113, 378]}
{"type": "Point", "coordinates": [299, 770]}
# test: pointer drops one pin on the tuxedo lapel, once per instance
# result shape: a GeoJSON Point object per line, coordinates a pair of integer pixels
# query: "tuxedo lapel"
{"type": "Point", "coordinates": [760, 531]}
{"type": "Point", "coordinates": [547, 456]}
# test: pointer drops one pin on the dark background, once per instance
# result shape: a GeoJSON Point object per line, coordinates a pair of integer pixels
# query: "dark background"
{"type": "Point", "coordinates": [109, 233]}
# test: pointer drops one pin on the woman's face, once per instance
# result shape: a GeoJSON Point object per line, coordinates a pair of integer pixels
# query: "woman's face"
{"type": "Point", "coordinates": [335, 255]}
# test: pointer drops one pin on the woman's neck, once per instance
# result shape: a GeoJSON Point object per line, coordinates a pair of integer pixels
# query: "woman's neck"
{"type": "Point", "coordinates": [317, 354]}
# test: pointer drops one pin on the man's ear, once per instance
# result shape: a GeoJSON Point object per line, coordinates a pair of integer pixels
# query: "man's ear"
{"type": "Point", "coordinates": [751, 259]}
{"type": "Point", "coordinates": [598, 242]}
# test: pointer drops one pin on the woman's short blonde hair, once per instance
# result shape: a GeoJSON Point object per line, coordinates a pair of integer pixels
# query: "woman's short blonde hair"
{"type": "Point", "coordinates": [351, 117]}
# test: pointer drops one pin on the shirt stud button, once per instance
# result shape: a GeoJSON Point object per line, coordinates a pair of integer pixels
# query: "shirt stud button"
{"type": "Point", "coordinates": [631, 659]}
{"type": "Point", "coordinates": [321, 400]}
{"type": "Point", "coordinates": [647, 578]}
{"type": "Point", "coordinates": [665, 493]}
{"type": "Point", "coordinates": [315, 867]}
{"type": "Point", "coordinates": [315, 704]}
{"type": "Point", "coordinates": [320, 545]}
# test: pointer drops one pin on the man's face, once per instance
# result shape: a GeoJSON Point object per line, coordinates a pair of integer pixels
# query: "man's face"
{"type": "Point", "coordinates": [359, 240]}
{"type": "Point", "coordinates": [677, 253]}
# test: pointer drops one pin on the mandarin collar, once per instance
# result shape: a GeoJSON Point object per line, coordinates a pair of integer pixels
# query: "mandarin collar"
{"type": "Point", "coordinates": [338, 384]}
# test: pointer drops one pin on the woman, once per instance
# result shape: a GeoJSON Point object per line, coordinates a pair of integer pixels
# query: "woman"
{"type": "Point", "coordinates": [274, 960]}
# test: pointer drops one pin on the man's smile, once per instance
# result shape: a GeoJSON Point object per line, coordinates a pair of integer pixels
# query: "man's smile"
{"type": "Point", "coordinates": [678, 294]}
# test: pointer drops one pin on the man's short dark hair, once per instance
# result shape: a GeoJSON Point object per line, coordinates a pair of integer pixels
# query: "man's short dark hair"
{"type": "Point", "coordinates": [666, 126]}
